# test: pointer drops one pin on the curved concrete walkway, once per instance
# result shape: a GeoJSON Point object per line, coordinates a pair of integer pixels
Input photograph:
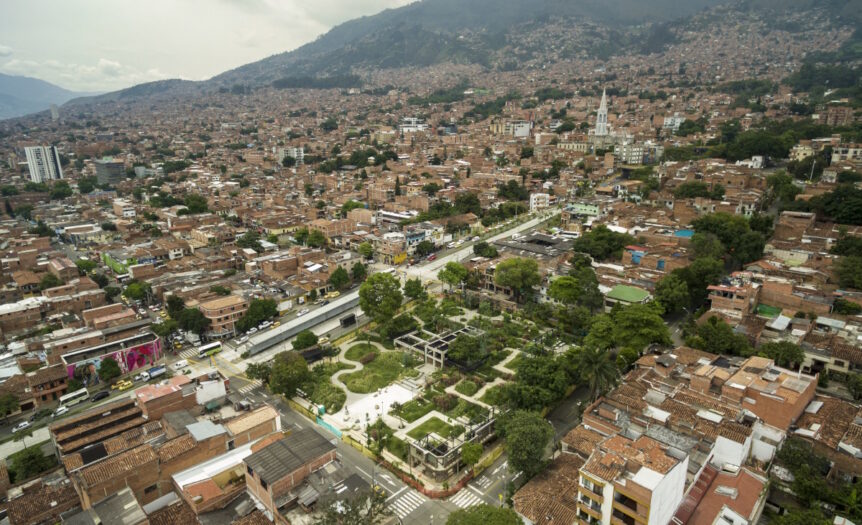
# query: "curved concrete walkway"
{"type": "Point", "coordinates": [336, 377]}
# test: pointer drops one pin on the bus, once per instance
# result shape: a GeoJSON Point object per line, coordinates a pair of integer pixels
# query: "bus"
{"type": "Point", "coordinates": [208, 350]}
{"type": "Point", "coordinates": [74, 398]}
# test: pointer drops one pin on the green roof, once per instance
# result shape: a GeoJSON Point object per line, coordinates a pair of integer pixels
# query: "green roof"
{"type": "Point", "coordinates": [768, 311]}
{"type": "Point", "coordinates": [628, 294]}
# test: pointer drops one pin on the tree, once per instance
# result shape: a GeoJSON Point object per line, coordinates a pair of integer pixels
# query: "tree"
{"type": "Point", "coordinates": [359, 271]}
{"type": "Point", "coordinates": [854, 385]}
{"type": "Point", "coordinates": [301, 235]}
{"type": "Point", "coordinates": [174, 305]}
{"type": "Point", "coordinates": [717, 337]}
{"type": "Point", "coordinates": [165, 328]}
{"type": "Point", "coordinates": [137, 290]}
{"type": "Point", "coordinates": [258, 311]}
{"type": "Point", "coordinates": [519, 275]}
{"type": "Point", "coordinates": [453, 274]}
{"type": "Point", "coordinates": [259, 371]}
{"type": "Point", "coordinates": [250, 239]}
{"type": "Point", "coordinates": [413, 289]}
{"type": "Point", "coordinates": [698, 276]}
{"type": "Point", "coordinates": [845, 307]}
{"type": "Point", "coordinates": [29, 463]}
{"type": "Point", "coordinates": [196, 203]}
{"type": "Point", "coordinates": [366, 250]}
{"type": "Point", "coordinates": [484, 514]}
{"type": "Point", "coordinates": [527, 436]}
{"type": "Point", "coordinates": [601, 334]}
{"type": "Point", "coordinates": [565, 289]}
{"type": "Point", "coordinates": [339, 279]}
{"type": "Point", "coordinates": [734, 231]}
{"type": "Point", "coordinates": [316, 239]}
{"type": "Point", "coordinates": [109, 369]}
{"type": "Point", "coordinates": [706, 245]}
{"type": "Point", "coordinates": [380, 297]}
{"type": "Point", "coordinates": [49, 280]}
{"type": "Point", "coordinates": [602, 243]}
{"type": "Point", "coordinates": [784, 353]}
{"type": "Point", "coordinates": [589, 295]}
{"type": "Point", "coordinates": [471, 453]}
{"type": "Point", "coordinates": [596, 368]}
{"type": "Point", "coordinates": [671, 292]}
{"type": "Point", "coordinates": [8, 404]}
{"type": "Point", "coordinates": [289, 372]}
{"type": "Point", "coordinates": [304, 339]}
{"type": "Point", "coordinates": [639, 325]}
{"type": "Point", "coordinates": [85, 266]}
{"type": "Point", "coordinates": [111, 292]}
{"type": "Point", "coordinates": [192, 320]}
{"type": "Point", "coordinates": [109, 226]}
{"type": "Point", "coordinates": [425, 247]}
{"type": "Point", "coordinates": [60, 190]}
{"type": "Point", "coordinates": [465, 349]}
{"type": "Point", "coordinates": [483, 249]}
{"type": "Point", "coordinates": [220, 290]}
{"type": "Point", "coordinates": [849, 270]}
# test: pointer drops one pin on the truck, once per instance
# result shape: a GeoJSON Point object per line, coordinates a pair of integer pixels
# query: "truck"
{"type": "Point", "coordinates": [153, 373]}
{"type": "Point", "coordinates": [193, 338]}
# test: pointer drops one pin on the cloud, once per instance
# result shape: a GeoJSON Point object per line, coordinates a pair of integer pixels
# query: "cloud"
{"type": "Point", "coordinates": [103, 75]}
{"type": "Point", "coordinates": [110, 68]}
{"type": "Point", "coordinates": [5, 51]}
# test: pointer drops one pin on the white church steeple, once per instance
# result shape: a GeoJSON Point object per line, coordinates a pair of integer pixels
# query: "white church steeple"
{"type": "Point", "coordinates": [602, 117]}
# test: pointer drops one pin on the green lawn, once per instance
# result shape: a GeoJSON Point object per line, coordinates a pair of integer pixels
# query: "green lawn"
{"type": "Point", "coordinates": [493, 396]}
{"type": "Point", "coordinates": [437, 426]}
{"type": "Point", "coordinates": [413, 410]}
{"type": "Point", "coordinates": [384, 370]}
{"type": "Point", "coordinates": [467, 387]}
{"type": "Point", "coordinates": [322, 392]}
{"type": "Point", "coordinates": [355, 353]}
{"type": "Point", "coordinates": [516, 362]}
{"type": "Point", "coordinates": [397, 447]}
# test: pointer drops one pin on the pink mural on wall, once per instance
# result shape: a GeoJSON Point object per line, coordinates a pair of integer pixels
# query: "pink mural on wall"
{"type": "Point", "coordinates": [129, 359]}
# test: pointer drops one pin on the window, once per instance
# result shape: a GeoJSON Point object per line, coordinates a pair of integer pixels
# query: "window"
{"type": "Point", "coordinates": [150, 489]}
{"type": "Point", "coordinates": [263, 484]}
{"type": "Point", "coordinates": [250, 471]}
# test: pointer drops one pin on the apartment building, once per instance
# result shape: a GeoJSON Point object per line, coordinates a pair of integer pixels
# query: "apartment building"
{"type": "Point", "coordinates": [631, 481]}
{"type": "Point", "coordinates": [44, 163]}
{"type": "Point", "coordinates": [223, 312]}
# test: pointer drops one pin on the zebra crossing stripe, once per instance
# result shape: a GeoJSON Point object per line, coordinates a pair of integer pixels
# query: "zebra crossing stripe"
{"type": "Point", "coordinates": [466, 499]}
{"type": "Point", "coordinates": [407, 503]}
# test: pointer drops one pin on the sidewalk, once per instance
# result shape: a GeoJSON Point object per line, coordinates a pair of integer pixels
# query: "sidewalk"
{"type": "Point", "coordinates": [10, 447]}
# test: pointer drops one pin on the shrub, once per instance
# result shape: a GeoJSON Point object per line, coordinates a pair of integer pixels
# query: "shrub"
{"type": "Point", "coordinates": [367, 358]}
{"type": "Point", "coordinates": [445, 402]}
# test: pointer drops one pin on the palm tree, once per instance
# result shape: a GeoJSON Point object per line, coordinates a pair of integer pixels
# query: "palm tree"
{"type": "Point", "coordinates": [597, 369]}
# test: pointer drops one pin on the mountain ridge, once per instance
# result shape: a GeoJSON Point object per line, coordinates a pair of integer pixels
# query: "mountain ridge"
{"type": "Point", "coordinates": [22, 95]}
{"type": "Point", "coordinates": [430, 32]}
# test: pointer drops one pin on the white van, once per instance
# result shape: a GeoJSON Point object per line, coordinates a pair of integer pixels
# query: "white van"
{"type": "Point", "coordinates": [179, 365]}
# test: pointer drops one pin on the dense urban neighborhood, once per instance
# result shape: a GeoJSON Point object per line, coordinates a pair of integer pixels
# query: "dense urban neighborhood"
{"type": "Point", "coordinates": [590, 277]}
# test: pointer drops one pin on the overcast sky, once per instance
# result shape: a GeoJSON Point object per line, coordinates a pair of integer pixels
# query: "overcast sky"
{"type": "Point", "coordinates": [103, 45]}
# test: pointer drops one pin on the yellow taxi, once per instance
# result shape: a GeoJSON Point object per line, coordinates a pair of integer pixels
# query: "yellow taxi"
{"type": "Point", "coordinates": [124, 384]}
{"type": "Point", "coordinates": [276, 324]}
{"type": "Point", "coordinates": [333, 295]}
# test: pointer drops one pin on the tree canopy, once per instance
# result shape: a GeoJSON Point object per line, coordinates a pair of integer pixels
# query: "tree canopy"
{"type": "Point", "coordinates": [519, 275]}
{"type": "Point", "coordinates": [527, 437]}
{"type": "Point", "coordinates": [602, 243]}
{"type": "Point", "coordinates": [380, 297]}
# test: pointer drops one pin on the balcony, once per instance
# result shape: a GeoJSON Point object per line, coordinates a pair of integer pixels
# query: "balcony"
{"type": "Point", "coordinates": [594, 511]}
{"type": "Point", "coordinates": [592, 492]}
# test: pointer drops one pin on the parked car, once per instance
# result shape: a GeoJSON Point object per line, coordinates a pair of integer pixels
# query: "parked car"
{"type": "Point", "coordinates": [432, 257]}
{"type": "Point", "coordinates": [276, 324]}
{"type": "Point", "coordinates": [253, 330]}
{"type": "Point", "coordinates": [20, 426]}
{"type": "Point", "coordinates": [333, 295]}
{"type": "Point", "coordinates": [98, 396]}
{"type": "Point", "coordinates": [302, 312]}
{"type": "Point", "coordinates": [123, 384]}
{"type": "Point", "coordinates": [243, 339]}
{"type": "Point", "coordinates": [61, 411]}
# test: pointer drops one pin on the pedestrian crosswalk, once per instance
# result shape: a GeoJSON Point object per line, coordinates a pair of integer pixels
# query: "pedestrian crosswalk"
{"type": "Point", "coordinates": [466, 499]}
{"type": "Point", "coordinates": [254, 385]}
{"type": "Point", "coordinates": [406, 503]}
{"type": "Point", "coordinates": [188, 353]}
{"type": "Point", "coordinates": [483, 481]}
